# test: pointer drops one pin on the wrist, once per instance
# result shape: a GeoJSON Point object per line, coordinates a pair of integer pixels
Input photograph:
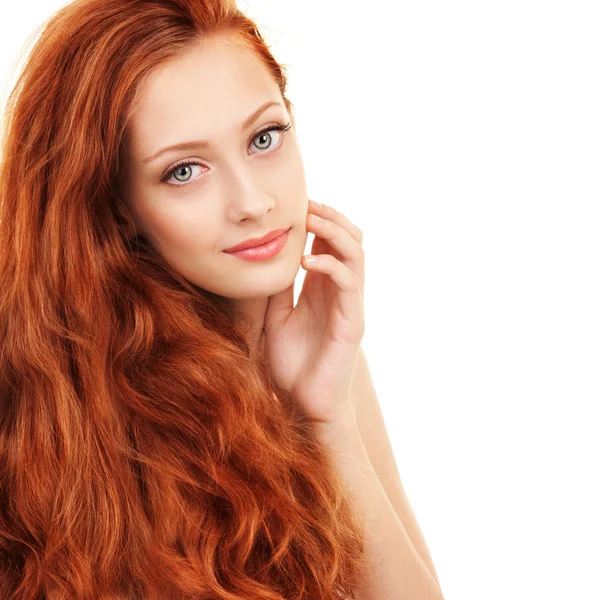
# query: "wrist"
{"type": "Point", "coordinates": [344, 425]}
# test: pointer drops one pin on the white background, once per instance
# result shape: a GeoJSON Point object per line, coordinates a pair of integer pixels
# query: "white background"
{"type": "Point", "coordinates": [463, 138]}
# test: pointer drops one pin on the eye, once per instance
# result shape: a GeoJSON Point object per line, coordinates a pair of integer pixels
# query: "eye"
{"type": "Point", "coordinates": [182, 170]}
{"type": "Point", "coordinates": [266, 133]}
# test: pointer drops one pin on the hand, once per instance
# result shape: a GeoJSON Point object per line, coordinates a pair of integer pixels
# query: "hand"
{"type": "Point", "coordinates": [312, 349]}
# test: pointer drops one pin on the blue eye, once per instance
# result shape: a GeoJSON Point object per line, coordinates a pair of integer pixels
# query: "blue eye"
{"type": "Point", "coordinates": [184, 167]}
{"type": "Point", "coordinates": [181, 169]}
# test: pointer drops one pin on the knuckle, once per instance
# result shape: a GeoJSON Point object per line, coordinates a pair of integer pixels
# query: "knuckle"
{"type": "Point", "coordinates": [325, 224]}
{"type": "Point", "coordinates": [330, 261]}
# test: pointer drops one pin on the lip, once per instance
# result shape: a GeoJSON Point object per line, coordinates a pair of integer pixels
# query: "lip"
{"type": "Point", "coordinates": [254, 242]}
{"type": "Point", "coordinates": [264, 251]}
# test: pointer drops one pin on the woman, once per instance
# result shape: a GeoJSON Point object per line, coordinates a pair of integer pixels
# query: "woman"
{"type": "Point", "coordinates": [171, 425]}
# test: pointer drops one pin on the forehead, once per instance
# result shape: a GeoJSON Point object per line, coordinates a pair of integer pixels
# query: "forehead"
{"type": "Point", "coordinates": [204, 93]}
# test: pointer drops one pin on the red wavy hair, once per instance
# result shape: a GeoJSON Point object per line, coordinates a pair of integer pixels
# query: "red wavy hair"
{"type": "Point", "coordinates": [143, 454]}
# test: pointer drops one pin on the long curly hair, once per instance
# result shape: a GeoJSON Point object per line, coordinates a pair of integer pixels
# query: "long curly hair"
{"type": "Point", "coordinates": [143, 454]}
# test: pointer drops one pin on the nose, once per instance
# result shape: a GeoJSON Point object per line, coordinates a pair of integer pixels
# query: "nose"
{"type": "Point", "coordinates": [247, 198]}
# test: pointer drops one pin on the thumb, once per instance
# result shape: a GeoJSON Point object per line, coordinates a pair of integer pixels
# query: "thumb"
{"type": "Point", "coordinates": [279, 307]}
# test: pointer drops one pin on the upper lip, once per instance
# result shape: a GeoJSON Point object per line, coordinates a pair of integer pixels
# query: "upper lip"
{"type": "Point", "coordinates": [252, 242]}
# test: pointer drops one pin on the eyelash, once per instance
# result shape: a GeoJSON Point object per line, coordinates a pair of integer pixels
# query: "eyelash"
{"type": "Point", "coordinates": [279, 126]}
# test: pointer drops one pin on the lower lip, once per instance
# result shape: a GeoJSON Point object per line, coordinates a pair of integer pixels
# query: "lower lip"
{"type": "Point", "coordinates": [265, 251]}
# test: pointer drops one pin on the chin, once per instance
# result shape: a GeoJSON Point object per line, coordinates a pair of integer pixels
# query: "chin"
{"type": "Point", "coordinates": [271, 281]}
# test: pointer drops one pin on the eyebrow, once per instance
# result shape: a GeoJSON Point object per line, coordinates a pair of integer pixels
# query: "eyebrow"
{"type": "Point", "coordinates": [199, 144]}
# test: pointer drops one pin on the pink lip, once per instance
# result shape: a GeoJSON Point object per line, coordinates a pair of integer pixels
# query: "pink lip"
{"type": "Point", "coordinates": [253, 242]}
{"type": "Point", "coordinates": [264, 251]}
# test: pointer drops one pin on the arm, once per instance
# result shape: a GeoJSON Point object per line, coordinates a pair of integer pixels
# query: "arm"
{"type": "Point", "coordinates": [376, 441]}
{"type": "Point", "coordinates": [397, 571]}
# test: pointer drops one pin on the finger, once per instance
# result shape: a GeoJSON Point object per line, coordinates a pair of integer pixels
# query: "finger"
{"type": "Point", "coordinates": [355, 262]}
{"type": "Point", "coordinates": [346, 279]}
{"type": "Point", "coordinates": [338, 238]}
{"type": "Point", "coordinates": [348, 282]}
{"type": "Point", "coordinates": [328, 212]}
{"type": "Point", "coordinates": [350, 252]}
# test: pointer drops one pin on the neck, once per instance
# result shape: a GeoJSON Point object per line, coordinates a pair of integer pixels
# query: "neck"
{"type": "Point", "coordinates": [253, 311]}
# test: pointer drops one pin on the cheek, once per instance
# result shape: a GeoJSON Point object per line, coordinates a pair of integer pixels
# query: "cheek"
{"type": "Point", "coordinates": [291, 172]}
{"type": "Point", "coordinates": [181, 231]}
{"type": "Point", "coordinates": [295, 187]}
{"type": "Point", "coordinates": [287, 183]}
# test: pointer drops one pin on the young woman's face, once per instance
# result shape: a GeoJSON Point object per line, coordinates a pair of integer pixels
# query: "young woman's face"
{"type": "Point", "coordinates": [243, 185]}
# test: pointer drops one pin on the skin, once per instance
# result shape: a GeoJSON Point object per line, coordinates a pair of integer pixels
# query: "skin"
{"type": "Point", "coordinates": [241, 191]}
{"type": "Point", "coordinates": [244, 186]}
